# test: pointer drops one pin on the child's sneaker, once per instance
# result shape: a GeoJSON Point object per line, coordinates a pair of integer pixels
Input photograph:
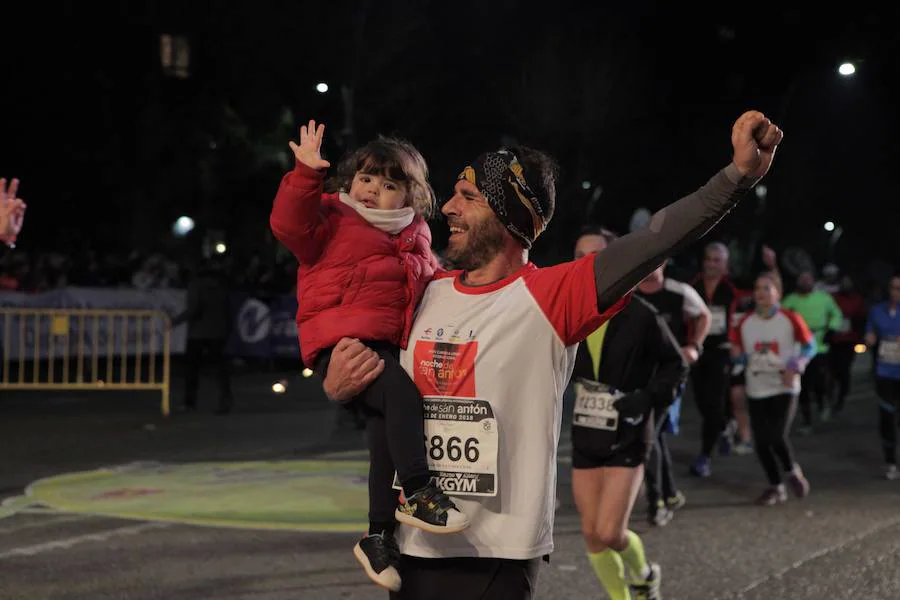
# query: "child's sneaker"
{"type": "Point", "coordinates": [379, 556]}
{"type": "Point", "coordinates": [431, 510]}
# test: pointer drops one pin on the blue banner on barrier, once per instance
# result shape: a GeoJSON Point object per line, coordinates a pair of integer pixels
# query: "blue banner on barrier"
{"type": "Point", "coordinates": [263, 328]}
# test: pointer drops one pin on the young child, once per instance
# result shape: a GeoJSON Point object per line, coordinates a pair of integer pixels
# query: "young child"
{"type": "Point", "coordinates": [365, 260]}
{"type": "Point", "coordinates": [774, 345]}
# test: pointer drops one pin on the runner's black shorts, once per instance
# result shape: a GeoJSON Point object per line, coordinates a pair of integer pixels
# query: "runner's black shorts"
{"type": "Point", "coordinates": [628, 446]}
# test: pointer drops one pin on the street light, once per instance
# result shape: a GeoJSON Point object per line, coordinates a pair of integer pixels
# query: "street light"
{"type": "Point", "coordinates": [321, 87]}
{"type": "Point", "coordinates": [221, 248]}
{"type": "Point", "coordinates": [829, 226]}
{"type": "Point", "coordinates": [847, 69]}
{"type": "Point", "coordinates": [183, 226]}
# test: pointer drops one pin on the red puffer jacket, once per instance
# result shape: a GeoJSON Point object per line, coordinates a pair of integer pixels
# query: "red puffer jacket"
{"type": "Point", "coordinates": [354, 280]}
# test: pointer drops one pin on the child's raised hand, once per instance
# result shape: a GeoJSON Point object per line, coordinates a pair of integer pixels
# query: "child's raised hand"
{"type": "Point", "coordinates": [308, 151]}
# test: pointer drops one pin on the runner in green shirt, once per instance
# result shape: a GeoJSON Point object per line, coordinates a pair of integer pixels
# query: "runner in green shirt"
{"type": "Point", "coordinates": [823, 316]}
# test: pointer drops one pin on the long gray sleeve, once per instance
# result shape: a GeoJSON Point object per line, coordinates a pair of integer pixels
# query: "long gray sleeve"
{"type": "Point", "coordinates": [622, 265]}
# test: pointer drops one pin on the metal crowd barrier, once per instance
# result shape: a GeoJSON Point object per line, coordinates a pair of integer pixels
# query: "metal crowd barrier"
{"type": "Point", "coordinates": [85, 349]}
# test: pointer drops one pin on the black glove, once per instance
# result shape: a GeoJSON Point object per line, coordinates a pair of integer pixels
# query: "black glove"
{"type": "Point", "coordinates": [829, 336]}
{"type": "Point", "coordinates": [633, 405]}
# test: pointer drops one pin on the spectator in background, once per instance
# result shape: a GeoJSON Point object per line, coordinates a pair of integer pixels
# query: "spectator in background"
{"type": "Point", "coordinates": [153, 274]}
{"type": "Point", "coordinates": [831, 279]}
{"type": "Point", "coordinates": [208, 322]}
{"type": "Point", "coordinates": [843, 351]}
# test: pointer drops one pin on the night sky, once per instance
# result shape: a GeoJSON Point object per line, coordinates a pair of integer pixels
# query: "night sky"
{"type": "Point", "coordinates": [638, 100]}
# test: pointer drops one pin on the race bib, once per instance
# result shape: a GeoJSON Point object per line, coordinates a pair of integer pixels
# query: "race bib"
{"type": "Point", "coordinates": [764, 362]}
{"type": "Point", "coordinates": [461, 443]}
{"type": "Point", "coordinates": [764, 371]}
{"type": "Point", "coordinates": [718, 320]}
{"type": "Point", "coordinates": [889, 352]}
{"type": "Point", "coordinates": [594, 406]}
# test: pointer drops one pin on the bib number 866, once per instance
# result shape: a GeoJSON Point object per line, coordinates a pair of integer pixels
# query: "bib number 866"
{"type": "Point", "coordinates": [455, 449]}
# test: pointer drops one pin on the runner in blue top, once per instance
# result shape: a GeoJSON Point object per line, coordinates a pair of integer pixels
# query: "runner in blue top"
{"type": "Point", "coordinates": [883, 333]}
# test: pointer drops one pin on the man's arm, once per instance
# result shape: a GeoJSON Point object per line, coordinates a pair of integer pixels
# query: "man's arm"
{"type": "Point", "coordinates": [629, 259]}
{"type": "Point", "coordinates": [353, 366]}
{"type": "Point", "coordinates": [835, 315]}
{"type": "Point", "coordinates": [672, 369]}
{"type": "Point", "coordinates": [626, 261]}
{"type": "Point", "coordinates": [871, 337]}
{"type": "Point", "coordinates": [696, 310]}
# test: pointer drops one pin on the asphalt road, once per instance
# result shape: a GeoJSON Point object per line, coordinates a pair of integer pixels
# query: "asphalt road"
{"type": "Point", "coordinates": [843, 541]}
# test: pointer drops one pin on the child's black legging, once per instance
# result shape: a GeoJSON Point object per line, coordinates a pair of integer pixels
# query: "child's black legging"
{"type": "Point", "coordinates": [395, 433]}
{"type": "Point", "coordinates": [770, 420]}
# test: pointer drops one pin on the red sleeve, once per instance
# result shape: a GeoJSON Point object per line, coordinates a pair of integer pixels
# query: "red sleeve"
{"type": "Point", "coordinates": [297, 219]}
{"type": "Point", "coordinates": [734, 334]}
{"type": "Point", "coordinates": [567, 294]}
{"type": "Point", "coordinates": [801, 331]}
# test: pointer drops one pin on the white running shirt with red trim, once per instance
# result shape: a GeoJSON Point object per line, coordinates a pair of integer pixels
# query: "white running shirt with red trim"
{"type": "Point", "coordinates": [769, 343]}
{"type": "Point", "coordinates": [507, 349]}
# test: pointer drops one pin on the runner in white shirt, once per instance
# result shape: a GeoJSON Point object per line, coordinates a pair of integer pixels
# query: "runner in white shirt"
{"type": "Point", "coordinates": [774, 345]}
{"type": "Point", "coordinates": [492, 349]}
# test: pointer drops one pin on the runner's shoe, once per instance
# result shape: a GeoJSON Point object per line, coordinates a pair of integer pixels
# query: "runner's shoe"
{"type": "Point", "coordinates": [743, 448]}
{"type": "Point", "coordinates": [772, 496]}
{"type": "Point", "coordinates": [701, 467]}
{"type": "Point", "coordinates": [431, 510]}
{"type": "Point", "coordinates": [798, 483]}
{"type": "Point", "coordinates": [726, 444]}
{"type": "Point", "coordinates": [676, 502]}
{"type": "Point", "coordinates": [659, 515]}
{"type": "Point", "coordinates": [379, 556]}
{"type": "Point", "coordinates": [648, 588]}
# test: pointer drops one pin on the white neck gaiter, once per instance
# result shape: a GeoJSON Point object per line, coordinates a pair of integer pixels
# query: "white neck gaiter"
{"type": "Point", "coordinates": [389, 221]}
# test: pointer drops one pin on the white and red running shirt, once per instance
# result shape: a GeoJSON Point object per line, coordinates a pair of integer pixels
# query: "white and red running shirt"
{"type": "Point", "coordinates": [492, 363]}
{"type": "Point", "coordinates": [770, 344]}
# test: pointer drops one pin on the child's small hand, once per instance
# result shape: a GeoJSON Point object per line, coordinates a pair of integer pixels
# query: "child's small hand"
{"type": "Point", "coordinates": [308, 152]}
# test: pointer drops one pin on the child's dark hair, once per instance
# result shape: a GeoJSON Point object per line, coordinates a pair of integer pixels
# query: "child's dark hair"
{"type": "Point", "coordinates": [395, 159]}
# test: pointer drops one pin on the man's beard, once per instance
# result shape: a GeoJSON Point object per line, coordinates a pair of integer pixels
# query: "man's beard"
{"type": "Point", "coordinates": [484, 241]}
